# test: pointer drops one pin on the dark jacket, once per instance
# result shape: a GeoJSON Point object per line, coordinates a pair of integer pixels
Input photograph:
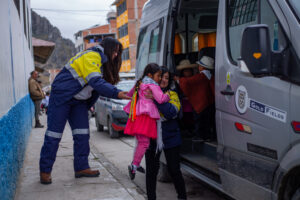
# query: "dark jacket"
{"type": "Point", "coordinates": [82, 69]}
{"type": "Point", "coordinates": [170, 127]}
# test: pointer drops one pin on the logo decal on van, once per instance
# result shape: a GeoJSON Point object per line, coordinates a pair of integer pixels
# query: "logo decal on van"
{"type": "Point", "coordinates": [241, 99]}
{"type": "Point", "coordinates": [269, 111]}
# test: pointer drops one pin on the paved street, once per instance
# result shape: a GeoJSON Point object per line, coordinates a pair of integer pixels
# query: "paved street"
{"type": "Point", "coordinates": [111, 157]}
{"type": "Point", "coordinates": [64, 186]}
{"type": "Point", "coordinates": [119, 153]}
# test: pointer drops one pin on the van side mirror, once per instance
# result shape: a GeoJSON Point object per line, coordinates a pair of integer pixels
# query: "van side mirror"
{"type": "Point", "coordinates": [256, 50]}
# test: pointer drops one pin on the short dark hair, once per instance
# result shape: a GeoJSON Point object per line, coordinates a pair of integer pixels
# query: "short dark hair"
{"type": "Point", "coordinates": [32, 72]}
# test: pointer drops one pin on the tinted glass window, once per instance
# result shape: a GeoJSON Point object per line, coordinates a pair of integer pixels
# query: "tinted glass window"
{"type": "Point", "coordinates": [155, 43]}
{"type": "Point", "coordinates": [296, 7]}
{"type": "Point", "coordinates": [242, 13]}
{"type": "Point", "coordinates": [268, 17]}
{"type": "Point", "coordinates": [149, 45]}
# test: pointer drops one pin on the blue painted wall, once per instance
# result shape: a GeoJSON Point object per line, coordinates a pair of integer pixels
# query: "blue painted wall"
{"type": "Point", "coordinates": [15, 127]}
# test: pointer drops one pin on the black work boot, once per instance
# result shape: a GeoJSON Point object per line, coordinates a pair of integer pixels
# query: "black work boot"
{"type": "Point", "coordinates": [38, 124]}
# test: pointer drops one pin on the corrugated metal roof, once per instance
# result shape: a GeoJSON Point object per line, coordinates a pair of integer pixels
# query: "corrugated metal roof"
{"type": "Point", "coordinates": [41, 43]}
{"type": "Point", "coordinates": [42, 50]}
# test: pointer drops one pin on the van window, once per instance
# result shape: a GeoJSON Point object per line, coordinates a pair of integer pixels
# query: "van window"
{"type": "Point", "coordinates": [267, 16]}
{"type": "Point", "coordinates": [242, 13]}
{"type": "Point", "coordinates": [295, 4]}
{"type": "Point", "coordinates": [195, 42]}
{"type": "Point", "coordinates": [149, 44]}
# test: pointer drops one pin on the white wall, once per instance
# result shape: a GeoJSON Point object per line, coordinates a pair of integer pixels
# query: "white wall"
{"type": "Point", "coordinates": [16, 60]}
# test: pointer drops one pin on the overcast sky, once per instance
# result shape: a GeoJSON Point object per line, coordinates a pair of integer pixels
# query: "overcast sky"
{"type": "Point", "coordinates": [71, 22]}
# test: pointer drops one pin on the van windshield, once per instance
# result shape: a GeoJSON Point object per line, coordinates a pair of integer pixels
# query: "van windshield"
{"type": "Point", "coordinates": [296, 7]}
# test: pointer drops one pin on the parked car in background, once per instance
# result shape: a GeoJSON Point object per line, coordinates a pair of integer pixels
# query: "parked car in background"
{"type": "Point", "coordinates": [110, 113]}
{"type": "Point", "coordinates": [127, 75]}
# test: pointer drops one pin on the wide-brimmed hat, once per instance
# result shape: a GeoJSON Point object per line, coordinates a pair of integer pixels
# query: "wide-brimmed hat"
{"type": "Point", "coordinates": [185, 64]}
{"type": "Point", "coordinates": [207, 62]}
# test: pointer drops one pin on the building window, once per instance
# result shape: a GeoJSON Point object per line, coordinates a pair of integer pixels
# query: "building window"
{"type": "Point", "coordinates": [123, 31]}
{"type": "Point", "coordinates": [121, 8]}
{"type": "Point", "coordinates": [125, 54]}
{"type": "Point", "coordinates": [17, 4]}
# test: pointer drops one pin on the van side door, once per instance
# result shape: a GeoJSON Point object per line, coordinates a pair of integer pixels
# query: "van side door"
{"type": "Point", "coordinates": [251, 113]}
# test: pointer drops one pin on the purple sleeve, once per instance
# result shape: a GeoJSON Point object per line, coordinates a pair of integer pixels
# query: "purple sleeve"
{"type": "Point", "coordinates": [158, 95]}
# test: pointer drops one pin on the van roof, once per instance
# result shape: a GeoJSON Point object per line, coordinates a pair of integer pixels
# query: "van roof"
{"type": "Point", "coordinates": [154, 10]}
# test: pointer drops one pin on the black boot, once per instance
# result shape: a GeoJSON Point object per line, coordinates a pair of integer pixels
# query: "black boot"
{"type": "Point", "coordinates": [38, 124]}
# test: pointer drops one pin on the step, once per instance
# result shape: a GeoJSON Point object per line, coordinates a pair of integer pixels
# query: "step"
{"type": "Point", "coordinates": [208, 149]}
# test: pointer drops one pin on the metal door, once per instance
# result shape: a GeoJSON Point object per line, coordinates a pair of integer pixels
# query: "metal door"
{"type": "Point", "coordinates": [251, 113]}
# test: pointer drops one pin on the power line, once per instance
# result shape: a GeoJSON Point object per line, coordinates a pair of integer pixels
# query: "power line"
{"type": "Point", "coordinates": [70, 12]}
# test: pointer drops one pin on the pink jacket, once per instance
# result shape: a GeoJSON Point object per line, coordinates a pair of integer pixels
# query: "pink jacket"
{"type": "Point", "coordinates": [147, 106]}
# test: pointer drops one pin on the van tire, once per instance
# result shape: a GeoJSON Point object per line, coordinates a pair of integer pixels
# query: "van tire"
{"type": "Point", "coordinates": [112, 133]}
{"type": "Point", "coordinates": [163, 173]}
{"type": "Point", "coordinates": [100, 127]}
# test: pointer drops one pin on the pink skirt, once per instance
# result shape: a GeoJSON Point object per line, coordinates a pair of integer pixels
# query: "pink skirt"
{"type": "Point", "coordinates": [142, 125]}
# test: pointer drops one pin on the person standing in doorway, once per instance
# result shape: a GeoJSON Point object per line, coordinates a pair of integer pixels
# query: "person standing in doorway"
{"type": "Point", "coordinates": [36, 94]}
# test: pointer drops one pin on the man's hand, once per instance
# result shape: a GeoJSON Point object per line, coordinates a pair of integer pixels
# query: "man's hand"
{"type": "Point", "coordinates": [123, 95]}
{"type": "Point", "coordinates": [149, 94]}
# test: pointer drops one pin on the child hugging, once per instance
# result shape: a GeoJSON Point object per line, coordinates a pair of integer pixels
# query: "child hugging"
{"type": "Point", "coordinates": [143, 113]}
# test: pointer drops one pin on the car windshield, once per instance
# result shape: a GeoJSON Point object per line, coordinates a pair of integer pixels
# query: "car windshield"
{"type": "Point", "coordinates": [125, 85]}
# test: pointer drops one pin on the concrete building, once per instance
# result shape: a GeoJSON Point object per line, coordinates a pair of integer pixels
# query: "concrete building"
{"type": "Point", "coordinates": [16, 107]}
{"type": "Point", "coordinates": [129, 13]}
{"type": "Point", "coordinates": [79, 45]}
{"type": "Point", "coordinates": [87, 38]}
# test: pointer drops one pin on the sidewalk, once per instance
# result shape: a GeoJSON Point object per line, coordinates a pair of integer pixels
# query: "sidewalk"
{"type": "Point", "coordinates": [107, 186]}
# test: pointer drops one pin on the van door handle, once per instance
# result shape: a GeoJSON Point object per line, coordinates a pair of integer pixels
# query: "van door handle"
{"type": "Point", "coordinates": [227, 91]}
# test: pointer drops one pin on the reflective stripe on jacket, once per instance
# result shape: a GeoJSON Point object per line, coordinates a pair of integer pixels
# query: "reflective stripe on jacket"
{"type": "Point", "coordinates": [82, 69]}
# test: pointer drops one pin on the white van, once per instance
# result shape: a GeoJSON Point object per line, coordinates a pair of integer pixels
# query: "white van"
{"type": "Point", "coordinates": [256, 46]}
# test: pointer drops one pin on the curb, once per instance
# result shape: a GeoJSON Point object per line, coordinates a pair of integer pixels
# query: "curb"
{"type": "Point", "coordinates": [134, 190]}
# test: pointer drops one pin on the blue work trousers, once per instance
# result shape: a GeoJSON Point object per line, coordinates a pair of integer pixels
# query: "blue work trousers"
{"type": "Point", "coordinates": [76, 113]}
